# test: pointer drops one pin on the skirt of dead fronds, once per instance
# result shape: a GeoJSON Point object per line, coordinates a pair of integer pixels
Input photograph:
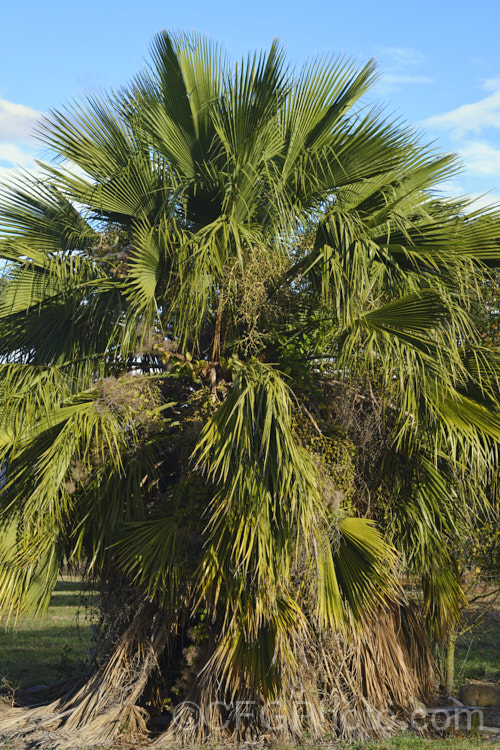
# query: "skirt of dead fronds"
{"type": "Point", "coordinates": [370, 684]}
{"type": "Point", "coordinates": [350, 688]}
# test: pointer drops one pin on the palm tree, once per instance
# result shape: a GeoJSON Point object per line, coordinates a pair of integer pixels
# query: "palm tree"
{"type": "Point", "coordinates": [235, 332]}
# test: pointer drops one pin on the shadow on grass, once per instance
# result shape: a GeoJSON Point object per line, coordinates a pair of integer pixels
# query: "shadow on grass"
{"type": "Point", "coordinates": [42, 656]}
{"type": "Point", "coordinates": [68, 593]}
{"type": "Point", "coordinates": [39, 652]}
{"type": "Point", "coordinates": [71, 600]}
{"type": "Point", "coordinates": [478, 654]}
{"type": "Point", "coordinates": [73, 586]}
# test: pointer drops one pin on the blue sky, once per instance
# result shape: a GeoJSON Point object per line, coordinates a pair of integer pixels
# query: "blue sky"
{"type": "Point", "coordinates": [439, 63]}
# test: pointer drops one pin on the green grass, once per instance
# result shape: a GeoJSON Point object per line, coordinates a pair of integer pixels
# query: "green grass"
{"type": "Point", "coordinates": [39, 652]}
{"type": "Point", "coordinates": [409, 742]}
{"type": "Point", "coordinates": [403, 742]}
{"type": "Point", "coordinates": [478, 654]}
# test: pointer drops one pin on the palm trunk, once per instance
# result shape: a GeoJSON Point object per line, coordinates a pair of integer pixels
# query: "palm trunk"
{"type": "Point", "coordinates": [449, 667]}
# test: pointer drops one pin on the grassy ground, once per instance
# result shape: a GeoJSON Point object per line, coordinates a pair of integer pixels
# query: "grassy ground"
{"type": "Point", "coordinates": [405, 742]}
{"type": "Point", "coordinates": [397, 743]}
{"type": "Point", "coordinates": [408, 742]}
{"type": "Point", "coordinates": [39, 652]}
{"type": "Point", "coordinates": [478, 654]}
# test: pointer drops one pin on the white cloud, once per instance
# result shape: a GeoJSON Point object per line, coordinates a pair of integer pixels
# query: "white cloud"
{"type": "Point", "coordinates": [471, 118]}
{"type": "Point", "coordinates": [17, 146]}
{"type": "Point", "coordinates": [485, 200]}
{"type": "Point", "coordinates": [454, 189]}
{"type": "Point", "coordinates": [7, 176]}
{"type": "Point", "coordinates": [481, 158]}
{"type": "Point", "coordinates": [398, 68]}
{"type": "Point", "coordinates": [450, 189]}
{"type": "Point", "coordinates": [16, 121]}
{"type": "Point", "coordinates": [491, 84]}
{"type": "Point", "coordinates": [480, 155]}
{"type": "Point", "coordinates": [401, 56]}
{"type": "Point", "coordinates": [392, 78]}
{"type": "Point", "coordinates": [10, 175]}
{"type": "Point", "coordinates": [15, 154]}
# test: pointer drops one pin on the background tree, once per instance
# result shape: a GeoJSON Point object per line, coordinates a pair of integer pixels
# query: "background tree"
{"type": "Point", "coordinates": [267, 258]}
